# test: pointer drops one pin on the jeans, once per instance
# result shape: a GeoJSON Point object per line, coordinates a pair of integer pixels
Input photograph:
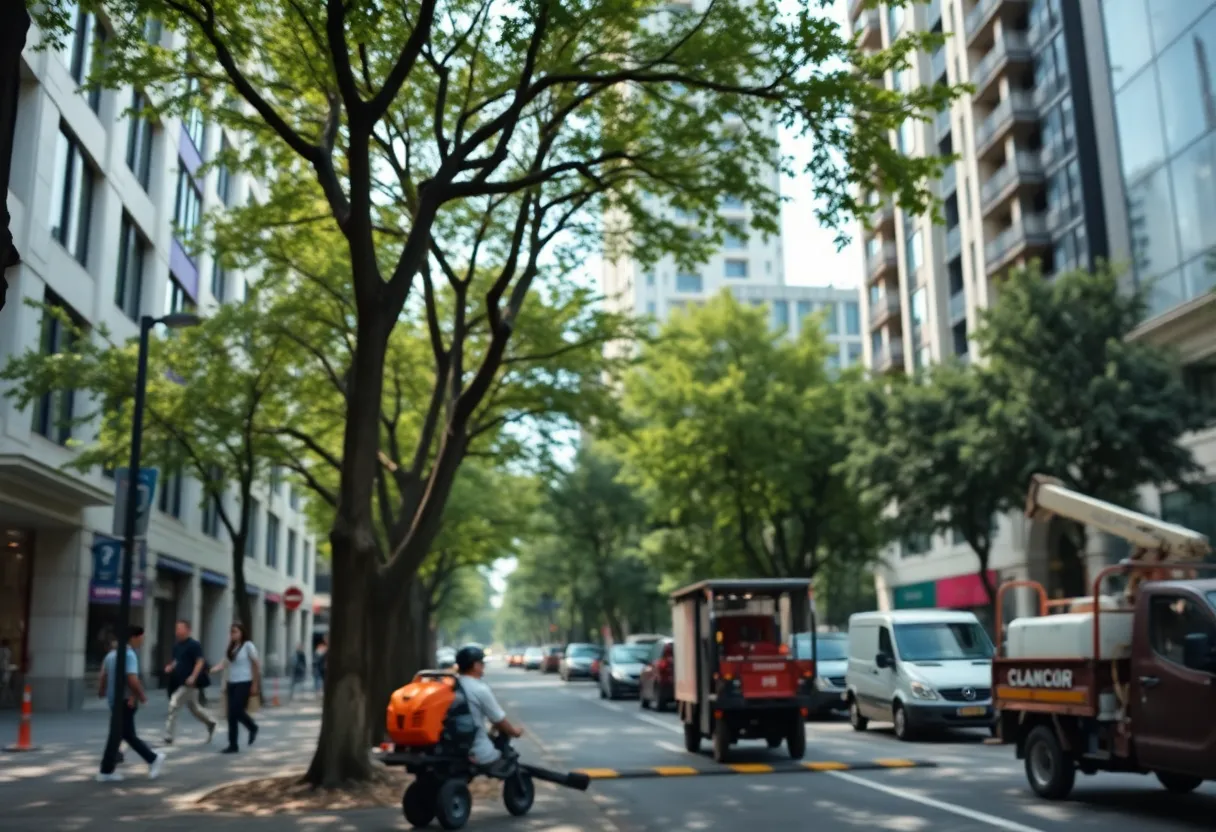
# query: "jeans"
{"type": "Point", "coordinates": [109, 759]}
{"type": "Point", "coordinates": [238, 701]}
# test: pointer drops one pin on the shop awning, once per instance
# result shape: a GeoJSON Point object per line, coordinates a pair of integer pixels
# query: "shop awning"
{"type": "Point", "coordinates": [213, 578]}
{"type": "Point", "coordinates": [172, 564]}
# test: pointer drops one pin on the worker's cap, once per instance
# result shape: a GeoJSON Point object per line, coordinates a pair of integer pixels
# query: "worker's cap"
{"type": "Point", "coordinates": [468, 656]}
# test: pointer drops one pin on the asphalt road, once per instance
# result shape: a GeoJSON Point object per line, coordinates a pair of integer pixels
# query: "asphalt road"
{"type": "Point", "coordinates": [974, 786]}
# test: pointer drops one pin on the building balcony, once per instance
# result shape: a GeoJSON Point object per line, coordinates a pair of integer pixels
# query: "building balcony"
{"type": "Point", "coordinates": [1047, 89]}
{"type": "Point", "coordinates": [949, 182]}
{"type": "Point", "coordinates": [1030, 236]}
{"type": "Point", "coordinates": [958, 307]}
{"type": "Point", "coordinates": [954, 243]}
{"type": "Point", "coordinates": [1061, 215]}
{"type": "Point", "coordinates": [1016, 110]}
{"type": "Point", "coordinates": [882, 213]}
{"type": "Point", "coordinates": [933, 15]}
{"type": "Point", "coordinates": [869, 29]}
{"type": "Point", "coordinates": [883, 309]}
{"type": "Point", "coordinates": [890, 358]}
{"type": "Point", "coordinates": [979, 21]}
{"type": "Point", "coordinates": [1039, 31]}
{"type": "Point", "coordinates": [937, 64]}
{"type": "Point", "coordinates": [882, 262]}
{"type": "Point", "coordinates": [941, 125]}
{"type": "Point", "coordinates": [1012, 48]}
{"type": "Point", "coordinates": [1021, 172]}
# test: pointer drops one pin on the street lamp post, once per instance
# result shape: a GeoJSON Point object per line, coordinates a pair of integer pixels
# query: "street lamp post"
{"type": "Point", "coordinates": [146, 324]}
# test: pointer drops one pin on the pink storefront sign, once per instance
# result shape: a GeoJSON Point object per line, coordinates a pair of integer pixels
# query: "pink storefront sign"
{"type": "Point", "coordinates": [963, 591]}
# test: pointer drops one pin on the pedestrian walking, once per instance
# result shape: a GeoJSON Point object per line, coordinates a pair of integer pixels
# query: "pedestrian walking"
{"type": "Point", "coordinates": [244, 681]}
{"type": "Point", "coordinates": [318, 666]}
{"type": "Point", "coordinates": [299, 671]}
{"type": "Point", "coordinates": [187, 676]}
{"type": "Point", "coordinates": [108, 687]}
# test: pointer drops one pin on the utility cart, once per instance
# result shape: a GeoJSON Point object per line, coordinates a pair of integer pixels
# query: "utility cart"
{"type": "Point", "coordinates": [1120, 682]}
{"type": "Point", "coordinates": [738, 675]}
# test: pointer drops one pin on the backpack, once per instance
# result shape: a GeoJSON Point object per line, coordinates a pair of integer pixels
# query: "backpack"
{"type": "Point", "coordinates": [459, 726]}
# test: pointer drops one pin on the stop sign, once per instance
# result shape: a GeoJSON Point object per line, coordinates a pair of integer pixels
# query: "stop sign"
{"type": "Point", "coordinates": [292, 598]}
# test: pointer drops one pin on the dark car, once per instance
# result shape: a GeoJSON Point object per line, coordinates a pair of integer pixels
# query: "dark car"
{"type": "Point", "coordinates": [552, 659]}
{"type": "Point", "coordinates": [656, 687]}
{"type": "Point", "coordinates": [832, 660]}
{"type": "Point", "coordinates": [621, 668]}
{"type": "Point", "coordinates": [577, 661]}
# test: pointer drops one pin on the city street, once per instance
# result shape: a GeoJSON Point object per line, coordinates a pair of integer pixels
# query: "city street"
{"type": "Point", "coordinates": [974, 786]}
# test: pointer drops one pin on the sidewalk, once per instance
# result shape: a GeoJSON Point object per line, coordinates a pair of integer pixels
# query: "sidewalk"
{"type": "Point", "coordinates": [53, 789]}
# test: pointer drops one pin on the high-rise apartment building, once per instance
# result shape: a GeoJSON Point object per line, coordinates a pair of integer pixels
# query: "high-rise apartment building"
{"type": "Point", "coordinates": [97, 198]}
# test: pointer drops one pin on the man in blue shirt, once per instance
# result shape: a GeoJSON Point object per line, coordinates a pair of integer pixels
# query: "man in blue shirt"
{"type": "Point", "coordinates": [107, 687]}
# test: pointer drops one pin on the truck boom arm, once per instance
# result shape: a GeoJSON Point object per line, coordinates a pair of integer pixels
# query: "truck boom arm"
{"type": "Point", "coordinates": [1154, 541]}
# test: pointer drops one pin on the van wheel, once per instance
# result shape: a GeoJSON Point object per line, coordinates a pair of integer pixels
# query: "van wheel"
{"type": "Point", "coordinates": [859, 722]}
{"type": "Point", "coordinates": [721, 741]}
{"type": "Point", "coordinates": [795, 743]}
{"type": "Point", "coordinates": [1048, 769]}
{"type": "Point", "coordinates": [899, 715]}
{"type": "Point", "coordinates": [1179, 783]}
{"type": "Point", "coordinates": [692, 738]}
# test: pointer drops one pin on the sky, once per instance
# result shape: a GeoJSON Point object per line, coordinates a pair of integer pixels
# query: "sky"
{"type": "Point", "coordinates": [811, 256]}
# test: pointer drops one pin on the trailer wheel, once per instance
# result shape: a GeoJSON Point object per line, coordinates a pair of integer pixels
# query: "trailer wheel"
{"type": "Point", "coordinates": [692, 738]}
{"type": "Point", "coordinates": [721, 741]}
{"type": "Point", "coordinates": [453, 804]}
{"type": "Point", "coordinates": [795, 743]}
{"type": "Point", "coordinates": [518, 792]}
{"type": "Point", "coordinates": [858, 721]}
{"type": "Point", "coordinates": [1179, 783]}
{"type": "Point", "coordinates": [418, 803]}
{"type": "Point", "coordinates": [1048, 769]}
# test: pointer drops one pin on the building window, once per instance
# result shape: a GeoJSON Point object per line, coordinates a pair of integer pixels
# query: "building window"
{"type": "Point", "coordinates": [915, 253]}
{"type": "Point", "coordinates": [219, 281]}
{"type": "Point", "coordinates": [88, 36]}
{"type": "Point", "coordinates": [176, 299]}
{"type": "Point", "coordinates": [1195, 511]}
{"type": "Point", "coordinates": [54, 410]}
{"type": "Point", "coordinates": [732, 203]}
{"type": "Point", "coordinates": [291, 553]}
{"type": "Point", "coordinates": [129, 287]}
{"type": "Point", "coordinates": [736, 268]}
{"type": "Point", "coordinates": [852, 318]}
{"type": "Point", "coordinates": [915, 544]}
{"type": "Point", "coordinates": [251, 538]}
{"type": "Point", "coordinates": [854, 354]}
{"type": "Point", "coordinates": [1128, 36]}
{"type": "Point", "coordinates": [196, 128]}
{"type": "Point", "coordinates": [830, 324]}
{"type": "Point", "coordinates": [306, 563]}
{"type": "Point", "coordinates": [688, 282]}
{"type": "Point", "coordinates": [72, 199]}
{"type": "Point", "coordinates": [223, 181]}
{"type": "Point", "coordinates": [188, 206]}
{"type": "Point", "coordinates": [649, 278]}
{"type": "Point", "coordinates": [153, 30]}
{"type": "Point", "coordinates": [781, 314]}
{"type": "Point", "coordinates": [651, 308]}
{"type": "Point", "coordinates": [272, 540]}
{"type": "Point", "coordinates": [802, 310]}
{"type": "Point", "coordinates": [276, 480]}
{"type": "Point", "coordinates": [140, 133]}
{"type": "Point", "coordinates": [293, 498]}
{"type": "Point", "coordinates": [736, 237]}
{"type": "Point", "coordinates": [170, 497]}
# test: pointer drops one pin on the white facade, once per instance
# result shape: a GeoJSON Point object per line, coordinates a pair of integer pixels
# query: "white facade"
{"type": "Point", "coordinates": [76, 191]}
{"type": "Point", "coordinates": [789, 306]}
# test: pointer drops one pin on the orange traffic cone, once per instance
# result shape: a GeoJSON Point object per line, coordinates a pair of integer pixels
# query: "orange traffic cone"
{"type": "Point", "coordinates": [274, 700]}
{"type": "Point", "coordinates": [24, 740]}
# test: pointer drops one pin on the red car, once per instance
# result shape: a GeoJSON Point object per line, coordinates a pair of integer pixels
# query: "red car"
{"type": "Point", "coordinates": [656, 685]}
{"type": "Point", "coordinates": [552, 660]}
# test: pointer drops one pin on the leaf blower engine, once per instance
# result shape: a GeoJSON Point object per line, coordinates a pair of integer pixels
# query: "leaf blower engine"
{"type": "Point", "coordinates": [428, 715]}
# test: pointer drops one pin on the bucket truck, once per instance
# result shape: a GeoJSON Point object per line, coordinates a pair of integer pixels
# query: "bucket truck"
{"type": "Point", "coordinates": [1122, 682]}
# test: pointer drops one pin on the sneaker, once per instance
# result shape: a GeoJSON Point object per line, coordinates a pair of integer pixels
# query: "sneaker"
{"type": "Point", "coordinates": [112, 777]}
{"type": "Point", "coordinates": [155, 766]}
{"type": "Point", "coordinates": [232, 749]}
{"type": "Point", "coordinates": [253, 735]}
{"type": "Point", "coordinates": [210, 733]}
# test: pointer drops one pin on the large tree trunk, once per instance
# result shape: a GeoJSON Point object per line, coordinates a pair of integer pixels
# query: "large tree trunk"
{"type": "Point", "coordinates": [242, 608]}
{"type": "Point", "coordinates": [397, 641]}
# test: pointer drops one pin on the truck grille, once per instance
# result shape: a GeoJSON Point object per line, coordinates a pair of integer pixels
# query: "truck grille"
{"type": "Point", "coordinates": [956, 694]}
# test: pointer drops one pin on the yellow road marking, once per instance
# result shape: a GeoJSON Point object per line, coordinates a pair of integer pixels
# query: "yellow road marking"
{"type": "Point", "coordinates": [675, 771]}
{"type": "Point", "coordinates": [894, 762]}
{"type": "Point", "coordinates": [750, 768]}
{"type": "Point", "coordinates": [826, 765]}
{"type": "Point", "coordinates": [599, 773]}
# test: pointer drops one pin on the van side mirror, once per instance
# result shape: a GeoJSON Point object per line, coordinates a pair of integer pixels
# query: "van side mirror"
{"type": "Point", "coordinates": [883, 661]}
{"type": "Point", "coordinates": [1197, 652]}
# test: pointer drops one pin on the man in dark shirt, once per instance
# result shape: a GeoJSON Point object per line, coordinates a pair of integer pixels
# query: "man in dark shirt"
{"type": "Point", "coordinates": [185, 672]}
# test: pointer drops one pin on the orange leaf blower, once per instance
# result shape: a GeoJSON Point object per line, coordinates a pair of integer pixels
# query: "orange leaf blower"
{"type": "Point", "coordinates": [418, 713]}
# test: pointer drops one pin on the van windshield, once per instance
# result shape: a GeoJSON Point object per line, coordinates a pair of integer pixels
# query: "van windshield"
{"type": "Point", "coordinates": [942, 642]}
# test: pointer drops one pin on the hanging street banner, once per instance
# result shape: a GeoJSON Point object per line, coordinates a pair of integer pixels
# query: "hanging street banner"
{"type": "Point", "coordinates": [105, 587]}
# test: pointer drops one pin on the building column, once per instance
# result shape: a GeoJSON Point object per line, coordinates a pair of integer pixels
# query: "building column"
{"type": "Point", "coordinates": [59, 604]}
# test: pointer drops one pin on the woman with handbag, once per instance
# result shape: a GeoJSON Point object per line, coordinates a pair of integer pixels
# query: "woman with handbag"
{"type": "Point", "coordinates": [244, 682]}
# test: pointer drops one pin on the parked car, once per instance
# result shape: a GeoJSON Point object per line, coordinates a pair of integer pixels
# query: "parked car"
{"type": "Point", "coordinates": [445, 657]}
{"type": "Point", "coordinates": [515, 657]}
{"type": "Point", "coordinates": [577, 660]}
{"type": "Point", "coordinates": [643, 638]}
{"type": "Point", "coordinates": [831, 666]}
{"type": "Point", "coordinates": [552, 660]}
{"type": "Point", "coordinates": [621, 669]}
{"type": "Point", "coordinates": [533, 658]}
{"type": "Point", "coordinates": [656, 686]}
{"type": "Point", "coordinates": [922, 670]}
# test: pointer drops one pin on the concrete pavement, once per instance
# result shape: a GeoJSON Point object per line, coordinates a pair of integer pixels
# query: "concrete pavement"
{"type": "Point", "coordinates": [974, 786]}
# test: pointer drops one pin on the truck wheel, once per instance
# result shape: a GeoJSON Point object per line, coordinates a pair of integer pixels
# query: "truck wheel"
{"type": "Point", "coordinates": [453, 804]}
{"type": "Point", "coordinates": [418, 803]}
{"type": "Point", "coordinates": [1179, 783]}
{"type": "Point", "coordinates": [1048, 769]}
{"type": "Point", "coordinates": [795, 743]}
{"type": "Point", "coordinates": [903, 730]}
{"type": "Point", "coordinates": [692, 738]}
{"type": "Point", "coordinates": [721, 741]}
{"type": "Point", "coordinates": [858, 721]}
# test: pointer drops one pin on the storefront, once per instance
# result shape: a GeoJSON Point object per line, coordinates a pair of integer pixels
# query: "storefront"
{"type": "Point", "coordinates": [961, 592]}
{"type": "Point", "coordinates": [16, 583]}
{"type": "Point", "coordinates": [105, 590]}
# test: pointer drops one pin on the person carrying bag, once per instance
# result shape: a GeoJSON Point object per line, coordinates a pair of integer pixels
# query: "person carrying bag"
{"type": "Point", "coordinates": [243, 688]}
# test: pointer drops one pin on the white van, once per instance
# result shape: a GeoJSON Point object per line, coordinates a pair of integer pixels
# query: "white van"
{"type": "Point", "coordinates": [920, 669]}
